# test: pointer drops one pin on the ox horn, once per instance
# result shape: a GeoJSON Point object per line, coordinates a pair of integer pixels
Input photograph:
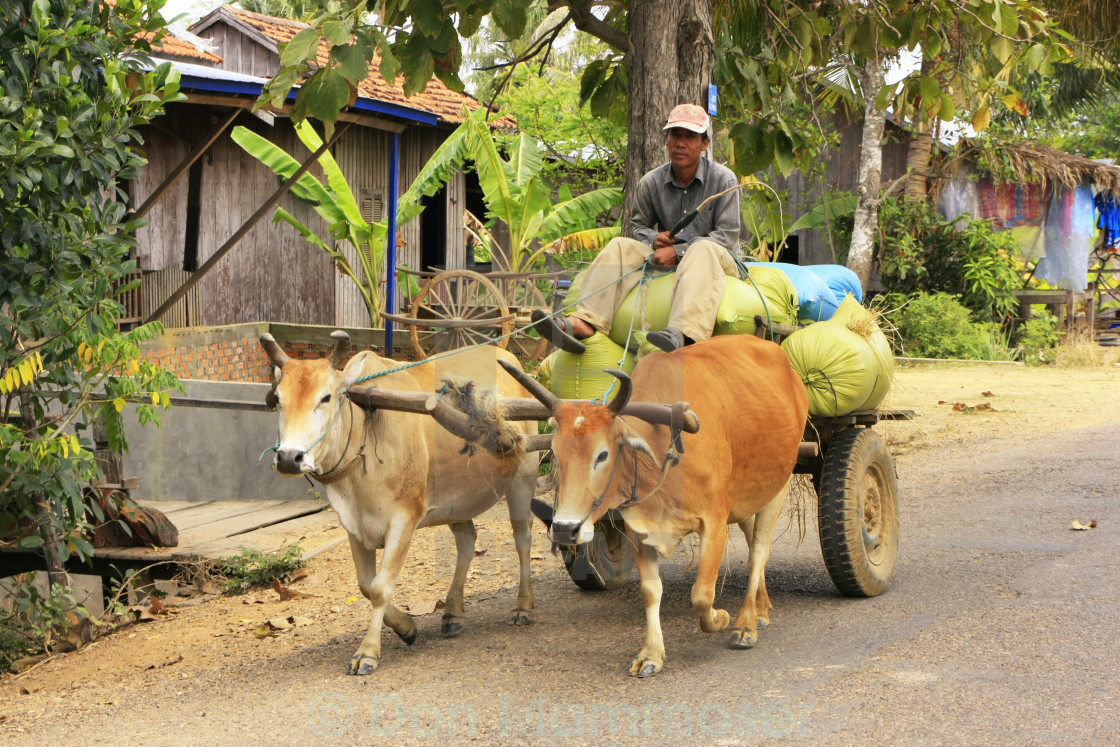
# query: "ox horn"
{"type": "Point", "coordinates": [678, 417]}
{"type": "Point", "coordinates": [341, 350]}
{"type": "Point", "coordinates": [537, 389]}
{"type": "Point", "coordinates": [625, 386]}
{"type": "Point", "coordinates": [276, 356]}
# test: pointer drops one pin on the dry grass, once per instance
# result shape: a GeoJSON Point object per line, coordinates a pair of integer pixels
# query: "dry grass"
{"type": "Point", "coordinates": [1079, 350]}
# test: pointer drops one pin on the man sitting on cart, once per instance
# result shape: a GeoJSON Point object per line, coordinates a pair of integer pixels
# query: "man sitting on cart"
{"type": "Point", "coordinates": [700, 254]}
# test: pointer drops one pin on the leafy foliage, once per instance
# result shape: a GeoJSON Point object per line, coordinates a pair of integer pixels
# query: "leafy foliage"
{"type": "Point", "coordinates": [1038, 338]}
{"type": "Point", "coordinates": [920, 250]}
{"type": "Point", "coordinates": [75, 84]}
{"type": "Point", "coordinates": [35, 620]}
{"type": "Point", "coordinates": [938, 325]}
{"type": "Point", "coordinates": [253, 567]}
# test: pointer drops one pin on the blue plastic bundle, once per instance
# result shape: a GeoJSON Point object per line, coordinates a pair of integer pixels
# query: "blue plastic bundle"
{"type": "Point", "coordinates": [840, 279]}
{"type": "Point", "coordinates": [817, 300]}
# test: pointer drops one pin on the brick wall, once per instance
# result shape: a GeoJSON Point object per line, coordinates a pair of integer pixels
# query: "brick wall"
{"type": "Point", "coordinates": [233, 352]}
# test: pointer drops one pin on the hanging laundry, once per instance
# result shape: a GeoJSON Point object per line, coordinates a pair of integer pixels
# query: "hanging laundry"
{"type": "Point", "coordinates": [1108, 218]}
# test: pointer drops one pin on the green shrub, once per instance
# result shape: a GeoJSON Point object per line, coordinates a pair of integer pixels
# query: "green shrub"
{"type": "Point", "coordinates": [937, 325]}
{"type": "Point", "coordinates": [1038, 338]}
{"type": "Point", "coordinates": [254, 568]}
{"type": "Point", "coordinates": [921, 251]}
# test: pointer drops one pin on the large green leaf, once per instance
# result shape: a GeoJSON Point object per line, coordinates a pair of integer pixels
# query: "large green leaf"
{"type": "Point", "coordinates": [439, 169]}
{"type": "Point", "coordinates": [307, 188]}
{"type": "Point", "coordinates": [575, 214]}
{"type": "Point", "coordinates": [337, 185]}
{"type": "Point", "coordinates": [525, 159]}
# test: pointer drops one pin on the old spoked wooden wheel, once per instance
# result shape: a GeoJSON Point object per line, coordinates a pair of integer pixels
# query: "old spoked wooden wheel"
{"type": "Point", "coordinates": [523, 296]}
{"type": "Point", "coordinates": [458, 308]}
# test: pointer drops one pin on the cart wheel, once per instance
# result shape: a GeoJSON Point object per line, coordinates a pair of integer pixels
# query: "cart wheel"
{"type": "Point", "coordinates": [604, 563]}
{"type": "Point", "coordinates": [456, 309]}
{"type": "Point", "coordinates": [858, 513]}
{"type": "Point", "coordinates": [526, 343]}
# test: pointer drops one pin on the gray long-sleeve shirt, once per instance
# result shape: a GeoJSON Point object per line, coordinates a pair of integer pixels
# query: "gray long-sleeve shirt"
{"type": "Point", "coordinates": [661, 202]}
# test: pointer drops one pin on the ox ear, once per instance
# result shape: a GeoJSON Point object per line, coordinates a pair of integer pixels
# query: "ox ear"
{"type": "Point", "coordinates": [270, 399]}
{"type": "Point", "coordinates": [631, 438]}
{"type": "Point", "coordinates": [353, 370]}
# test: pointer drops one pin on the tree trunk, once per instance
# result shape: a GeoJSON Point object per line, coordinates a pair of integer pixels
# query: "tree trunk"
{"type": "Point", "coordinates": [866, 221]}
{"type": "Point", "coordinates": [56, 572]}
{"type": "Point", "coordinates": [919, 150]}
{"type": "Point", "coordinates": [671, 58]}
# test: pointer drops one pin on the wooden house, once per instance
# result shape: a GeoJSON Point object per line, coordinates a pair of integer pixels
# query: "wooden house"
{"type": "Point", "coordinates": [210, 253]}
{"type": "Point", "coordinates": [840, 173]}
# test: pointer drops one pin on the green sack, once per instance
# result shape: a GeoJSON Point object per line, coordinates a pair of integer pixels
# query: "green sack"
{"type": "Point", "coordinates": [767, 293]}
{"type": "Point", "coordinates": [845, 362]}
{"type": "Point", "coordinates": [863, 322]}
{"type": "Point", "coordinates": [836, 365]}
{"type": "Point", "coordinates": [582, 376]}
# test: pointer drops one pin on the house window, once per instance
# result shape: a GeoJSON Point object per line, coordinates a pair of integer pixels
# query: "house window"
{"type": "Point", "coordinates": [373, 205]}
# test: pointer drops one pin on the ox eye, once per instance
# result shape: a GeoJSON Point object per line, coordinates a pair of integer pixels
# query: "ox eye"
{"type": "Point", "coordinates": [326, 398]}
{"type": "Point", "coordinates": [602, 457]}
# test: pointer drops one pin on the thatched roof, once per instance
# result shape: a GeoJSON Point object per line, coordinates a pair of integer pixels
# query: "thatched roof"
{"type": "Point", "coordinates": [1031, 162]}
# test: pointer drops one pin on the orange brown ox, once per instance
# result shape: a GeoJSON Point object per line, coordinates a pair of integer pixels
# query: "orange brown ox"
{"type": "Point", "coordinates": [389, 473]}
{"type": "Point", "coordinates": [736, 468]}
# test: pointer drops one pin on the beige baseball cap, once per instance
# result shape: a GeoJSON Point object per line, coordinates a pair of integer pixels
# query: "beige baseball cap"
{"type": "Point", "coordinates": [688, 117]}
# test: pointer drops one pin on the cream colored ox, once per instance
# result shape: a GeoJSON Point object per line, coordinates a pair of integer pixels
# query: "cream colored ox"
{"type": "Point", "coordinates": [389, 473]}
{"type": "Point", "coordinates": [734, 469]}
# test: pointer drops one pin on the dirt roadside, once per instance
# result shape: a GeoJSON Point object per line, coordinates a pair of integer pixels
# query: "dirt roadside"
{"type": "Point", "coordinates": [180, 653]}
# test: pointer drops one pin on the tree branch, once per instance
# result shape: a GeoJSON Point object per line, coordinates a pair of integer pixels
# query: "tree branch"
{"type": "Point", "coordinates": [587, 22]}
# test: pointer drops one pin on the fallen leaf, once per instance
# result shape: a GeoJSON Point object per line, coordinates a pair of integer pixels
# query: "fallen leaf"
{"type": "Point", "coordinates": [157, 606]}
{"type": "Point", "coordinates": [426, 607]}
{"type": "Point", "coordinates": [286, 594]}
{"type": "Point", "coordinates": [264, 630]}
{"type": "Point", "coordinates": [279, 623]}
{"type": "Point", "coordinates": [351, 600]}
{"type": "Point", "coordinates": [986, 394]}
{"type": "Point", "coordinates": [301, 622]}
{"type": "Point", "coordinates": [479, 552]}
{"type": "Point", "coordinates": [1077, 526]}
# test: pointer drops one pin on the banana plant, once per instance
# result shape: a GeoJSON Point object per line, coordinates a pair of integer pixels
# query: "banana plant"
{"type": "Point", "coordinates": [335, 203]}
{"type": "Point", "coordinates": [516, 194]}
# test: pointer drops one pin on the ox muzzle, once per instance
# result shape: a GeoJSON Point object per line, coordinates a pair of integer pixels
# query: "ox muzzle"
{"type": "Point", "coordinates": [291, 462]}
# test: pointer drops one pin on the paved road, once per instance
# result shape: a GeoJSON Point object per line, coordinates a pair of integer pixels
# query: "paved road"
{"type": "Point", "coordinates": [999, 626]}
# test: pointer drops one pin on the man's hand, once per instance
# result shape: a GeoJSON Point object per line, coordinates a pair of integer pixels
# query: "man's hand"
{"type": "Point", "coordinates": [664, 250]}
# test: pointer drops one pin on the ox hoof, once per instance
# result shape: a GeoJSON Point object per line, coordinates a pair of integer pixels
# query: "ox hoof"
{"type": "Point", "coordinates": [452, 627]}
{"type": "Point", "coordinates": [410, 636]}
{"type": "Point", "coordinates": [763, 622]}
{"type": "Point", "coordinates": [521, 617]}
{"type": "Point", "coordinates": [743, 639]}
{"type": "Point", "coordinates": [643, 669]}
{"type": "Point", "coordinates": [362, 665]}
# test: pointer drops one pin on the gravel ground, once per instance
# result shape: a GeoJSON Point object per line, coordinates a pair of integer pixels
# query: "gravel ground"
{"type": "Point", "coordinates": [998, 627]}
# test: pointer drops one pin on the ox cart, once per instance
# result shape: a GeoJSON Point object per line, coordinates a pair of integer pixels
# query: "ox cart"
{"type": "Point", "coordinates": [848, 462]}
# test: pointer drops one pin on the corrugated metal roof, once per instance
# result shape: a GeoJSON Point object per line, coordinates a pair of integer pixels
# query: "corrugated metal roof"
{"type": "Point", "coordinates": [437, 98]}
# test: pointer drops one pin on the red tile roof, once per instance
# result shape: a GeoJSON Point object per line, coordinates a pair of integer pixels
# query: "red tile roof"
{"type": "Point", "coordinates": [435, 99]}
{"type": "Point", "coordinates": [175, 47]}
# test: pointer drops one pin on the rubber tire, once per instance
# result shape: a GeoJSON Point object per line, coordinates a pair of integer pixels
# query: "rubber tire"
{"type": "Point", "coordinates": [858, 513]}
{"type": "Point", "coordinates": [602, 564]}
